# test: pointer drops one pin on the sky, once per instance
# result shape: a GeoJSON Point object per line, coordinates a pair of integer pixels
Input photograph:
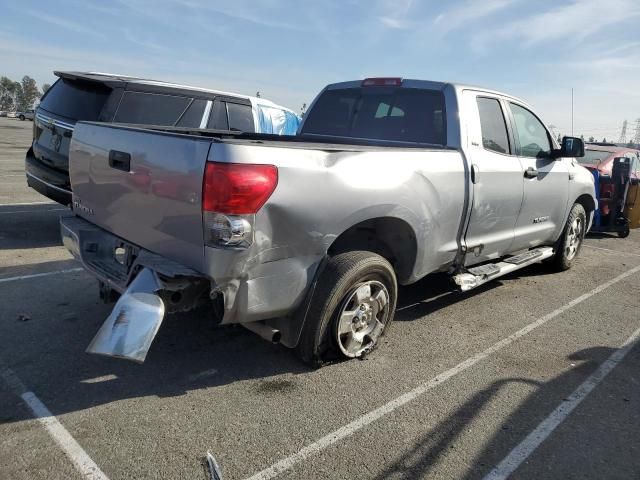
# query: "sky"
{"type": "Point", "coordinates": [289, 49]}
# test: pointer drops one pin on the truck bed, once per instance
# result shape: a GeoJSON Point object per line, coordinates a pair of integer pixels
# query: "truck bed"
{"type": "Point", "coordinates": [156, 201]}
{"type": "Point", "coordinates": [306, 141]}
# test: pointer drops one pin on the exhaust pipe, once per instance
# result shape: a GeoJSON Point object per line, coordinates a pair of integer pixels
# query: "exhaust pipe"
{"type": "Point", "coordinates": [268, 333]}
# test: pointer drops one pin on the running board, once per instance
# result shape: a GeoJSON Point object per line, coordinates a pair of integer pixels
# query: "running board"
{"type": "Point", "coordinates": [476, 276]}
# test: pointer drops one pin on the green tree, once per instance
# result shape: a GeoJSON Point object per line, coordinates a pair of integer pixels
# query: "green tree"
{"type": "Point", "coordinates": [29, 93]}
{"type": "Point", "coordinates": [45, 87]}
{"type": "Point", "coordinates": [9, 93]}
{"type": "Point", "coordinates": [591, 139]}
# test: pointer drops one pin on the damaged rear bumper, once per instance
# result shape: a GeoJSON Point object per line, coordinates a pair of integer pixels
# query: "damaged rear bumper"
{"type": "Point", "coordinates": [149, 286]}
{"type": "Point", "coordinates": [251, 287]}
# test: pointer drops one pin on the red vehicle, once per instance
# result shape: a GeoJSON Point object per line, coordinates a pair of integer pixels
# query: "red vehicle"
{"type": "Point", "coordinates": [600, 157]}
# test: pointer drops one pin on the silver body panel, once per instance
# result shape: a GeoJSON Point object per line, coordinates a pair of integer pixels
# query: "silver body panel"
{"type": "Point", "coordinates": [323, 190]}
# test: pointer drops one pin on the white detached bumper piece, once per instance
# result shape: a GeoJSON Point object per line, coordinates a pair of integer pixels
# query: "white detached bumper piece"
{"type": "Point", "coordinates": [134, 322]}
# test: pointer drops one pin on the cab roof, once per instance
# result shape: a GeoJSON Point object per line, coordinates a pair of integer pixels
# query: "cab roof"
{"type": "Point", "coordinates": [428, 84]}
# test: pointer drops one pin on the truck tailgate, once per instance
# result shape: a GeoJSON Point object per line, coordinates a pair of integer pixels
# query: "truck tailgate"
{"type": "Point", "coordinates": [144, 186]}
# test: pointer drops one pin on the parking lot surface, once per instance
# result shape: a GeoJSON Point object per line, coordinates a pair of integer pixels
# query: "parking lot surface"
{"type": "Point", "coordinates": [460, 381]}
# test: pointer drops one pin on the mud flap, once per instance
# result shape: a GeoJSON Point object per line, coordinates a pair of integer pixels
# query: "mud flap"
{"type": "Point", "coordinates": [134, 322]}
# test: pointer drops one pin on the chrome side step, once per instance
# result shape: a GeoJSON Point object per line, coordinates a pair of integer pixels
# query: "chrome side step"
{"type": "Point", "coordinates": [476, 276]}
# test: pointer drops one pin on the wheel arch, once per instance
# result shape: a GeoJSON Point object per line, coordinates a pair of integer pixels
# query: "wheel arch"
{"type": "Point", "coordinates": [390, 237]}
{"type": "Point", "coordinates": [589, 205]}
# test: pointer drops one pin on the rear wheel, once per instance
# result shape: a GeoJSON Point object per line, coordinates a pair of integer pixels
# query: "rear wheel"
{"type": "Point", "coordinates": [353, 304]}
{"type": "Point", "coordinates": [21, 117]}
{"type": "Point", "coordinates": [568, 246]}
{"type": "Point", "coordinates": [624, 233]}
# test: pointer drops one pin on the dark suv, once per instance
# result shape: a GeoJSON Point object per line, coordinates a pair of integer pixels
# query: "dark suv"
{"type": "Point", "coordinates": [101, 97]}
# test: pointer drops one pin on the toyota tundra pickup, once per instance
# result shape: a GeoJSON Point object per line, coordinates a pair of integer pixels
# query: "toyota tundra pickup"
{"type": "Point", "coordinates": [305, 239]}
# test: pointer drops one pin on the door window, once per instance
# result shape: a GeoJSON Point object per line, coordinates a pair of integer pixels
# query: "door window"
{"type": "Point", "coordinates": [240, 117]}
{"type": "Point", "coordinates": [493, 125]}
{"type": "Point", "coordinates": [151, 108]}
{"type": "Point", "coordinates": [193, 116]}
{"type": "Point", "coordinates": [533, 137]}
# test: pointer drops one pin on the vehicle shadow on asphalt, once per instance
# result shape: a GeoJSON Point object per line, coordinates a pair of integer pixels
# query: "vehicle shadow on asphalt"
{"type": "Point", "coordinates": [189, 353]}
{"type": "Point", "coordinates": [440, 442]}
{"type": "Point", "coordinates": [437, 291]}
{"type": "Point", "coordinates": [432, 293]}
{"type": "Point", "coordinates": [30, 226]}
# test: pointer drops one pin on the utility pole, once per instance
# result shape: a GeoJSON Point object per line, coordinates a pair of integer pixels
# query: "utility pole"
{"type": "Point", "coordinates": [636, 138]}
{"type": "Point", "coordinates": [572, 111]}
{"type": "Point", "coordinates": [623, 133]}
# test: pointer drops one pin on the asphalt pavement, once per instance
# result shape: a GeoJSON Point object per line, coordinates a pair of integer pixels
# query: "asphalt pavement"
{"type": "Point", "coordinates": [536, 375]}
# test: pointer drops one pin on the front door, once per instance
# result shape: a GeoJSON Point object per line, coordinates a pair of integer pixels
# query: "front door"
{"type": "Point", "coordinates": [496, 176]}
{"type": "Point", "coordinates": [545, 182]}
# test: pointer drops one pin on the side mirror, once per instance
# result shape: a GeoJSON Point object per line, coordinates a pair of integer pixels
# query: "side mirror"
{"type": "Point", "coordinates": [571, 147]}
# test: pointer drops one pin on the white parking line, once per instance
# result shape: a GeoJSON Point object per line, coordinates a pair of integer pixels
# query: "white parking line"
{"type": "Point", "coordinates": [368, 418]}
{"type": "Point", "coordinates": [37, 211]}
{"type": "Point", "coordinates": [612, 251]}
{"type": "Point", "coordinates": [532, 441]}
{"type": "Point", "coordinates": [38, 275]}
{"type": "Point", "coordinates": [80, 459]}
{"type": "Point", "coordinates": [24, 204]}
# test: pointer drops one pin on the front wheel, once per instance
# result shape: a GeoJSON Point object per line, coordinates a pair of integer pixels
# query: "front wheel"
{"type": "Point", "coordinates": [571, 239]}
{"type": "Point", "coordinates": [353, 303]}
{"type": "Point", "coordinates": [21, 117]}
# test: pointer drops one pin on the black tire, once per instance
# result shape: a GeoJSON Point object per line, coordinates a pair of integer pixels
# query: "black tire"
{"type": "Point", "coordinates": [624, 233]}
{"type": "Point", "coordinates": [21, 117]}
{"type": "Point", "coordinates": [565, 250]}
{"type": "Point", "coordinates": [342, 275]}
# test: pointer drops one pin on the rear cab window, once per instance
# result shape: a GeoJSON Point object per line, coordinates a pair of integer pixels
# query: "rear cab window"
{"type": "Point", "coordinates": [395, 114]}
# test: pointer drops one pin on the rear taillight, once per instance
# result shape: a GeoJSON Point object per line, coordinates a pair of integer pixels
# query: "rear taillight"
{"type": "Point", "coordinates": [237, 188]}
{"type": "Point", "coordinates": [231, 195]}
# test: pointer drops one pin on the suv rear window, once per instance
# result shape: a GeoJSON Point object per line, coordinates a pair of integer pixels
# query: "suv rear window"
{"type": "Point", "coordinates": [75, 100]}
{"type": "Point", "coordinates": [151, 108]}
{"type": "Point", "coordinates": [380, 113]}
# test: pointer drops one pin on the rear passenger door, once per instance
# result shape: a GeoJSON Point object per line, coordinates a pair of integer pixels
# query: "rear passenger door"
{"type": "Point", "coordinates": [545, 181]}
{"type": "Point", "coordinates": [496, 176]}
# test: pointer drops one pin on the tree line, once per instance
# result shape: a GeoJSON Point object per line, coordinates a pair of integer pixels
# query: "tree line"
{"type": "Point", "coordinates": [20, 96]}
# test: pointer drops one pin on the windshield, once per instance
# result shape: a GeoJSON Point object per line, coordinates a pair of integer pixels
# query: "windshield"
{"type": "Point", "coordinates": [594, 157]}
{"type": "Point", "coordinates": [379, 113]}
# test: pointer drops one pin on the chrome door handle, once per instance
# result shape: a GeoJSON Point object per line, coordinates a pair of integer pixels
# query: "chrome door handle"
{"type": "Point", "coordinates": [531, 172]}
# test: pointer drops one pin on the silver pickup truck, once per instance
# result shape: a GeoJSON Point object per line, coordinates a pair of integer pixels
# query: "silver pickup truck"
{"type": "Point", "coordinates": [304, 239]}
